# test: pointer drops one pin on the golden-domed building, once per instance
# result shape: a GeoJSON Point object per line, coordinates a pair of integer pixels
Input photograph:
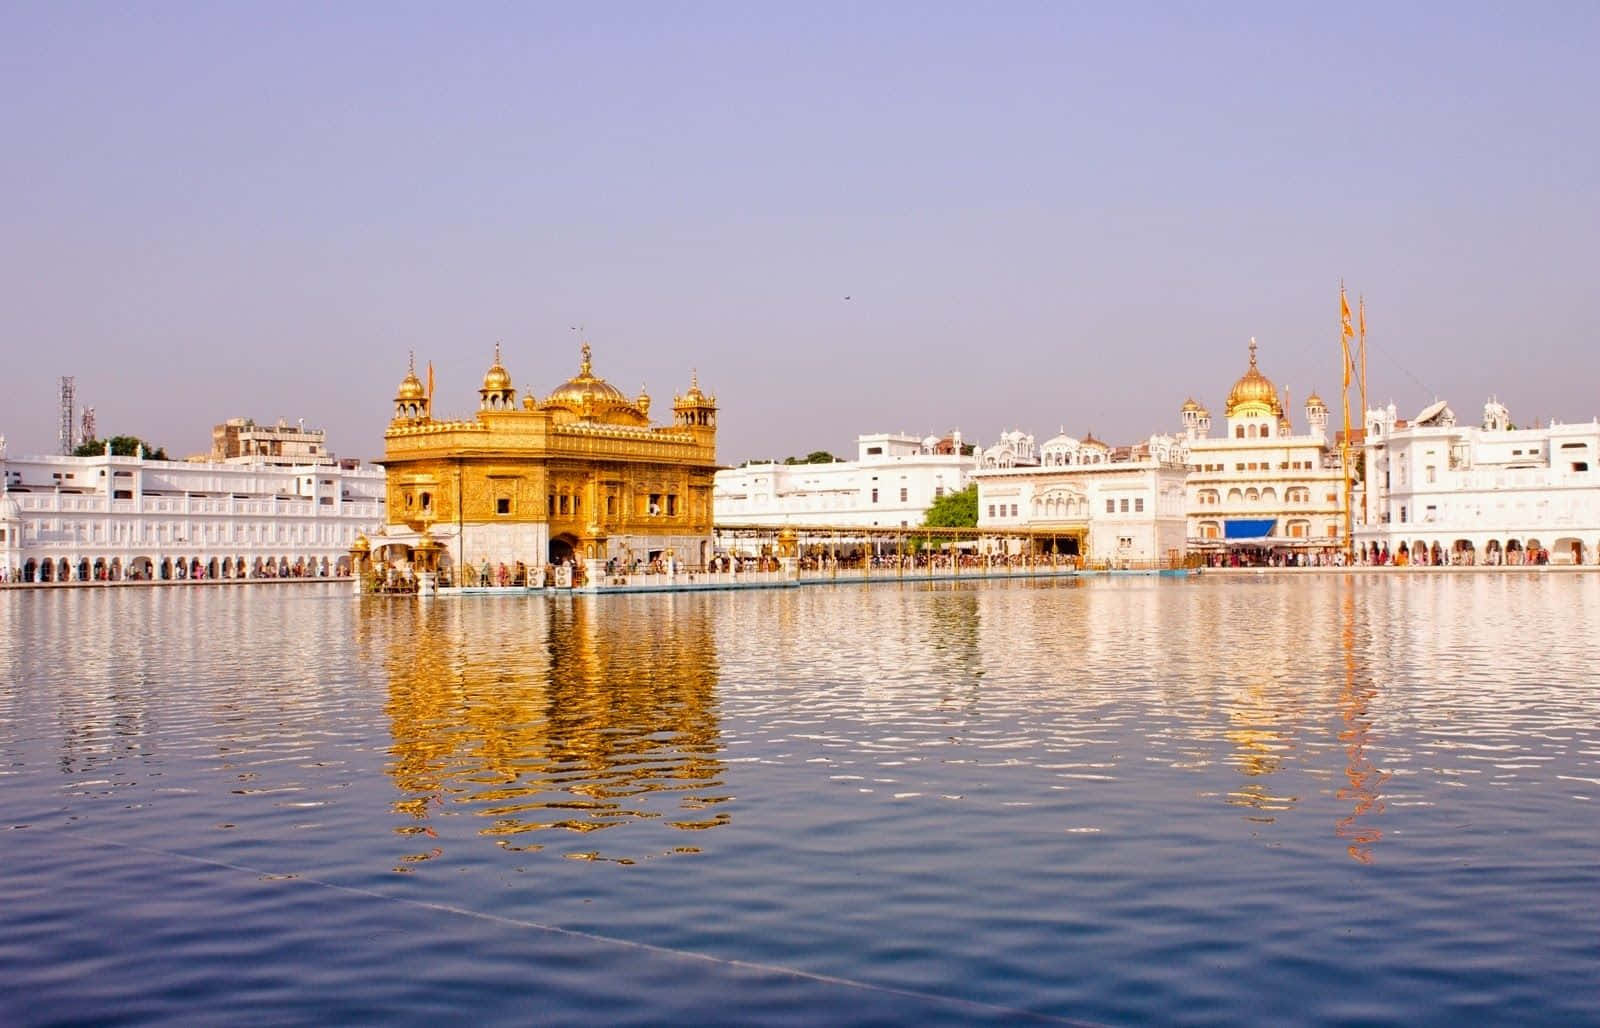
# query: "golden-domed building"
{"type": "Point", "coordinates": [1261, 485]}
{"type": "Point", "coordinates": [580, 474]}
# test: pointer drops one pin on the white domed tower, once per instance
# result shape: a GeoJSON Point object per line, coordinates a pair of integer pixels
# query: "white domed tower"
{"type": "Point", "coordinates": [1496, 416]}
{"type": "Point", "coordinates": [1317, 417]}
{"type": "Point", "coordinates": [1192, 413]}
{"type": "Point", "coordinates": [1380, 422]}
{"type": "Point", "coordinates": [1059, 451]}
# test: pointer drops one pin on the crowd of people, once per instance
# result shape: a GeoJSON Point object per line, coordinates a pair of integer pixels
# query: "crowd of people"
{"type": "Point", "coordinates": [1375, 555]}
{"type": "Point", "coordinates": [193, 571]}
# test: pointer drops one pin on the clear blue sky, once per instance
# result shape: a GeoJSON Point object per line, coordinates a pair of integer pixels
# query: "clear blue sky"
{"type": "Point", "coordinates": [1043, 214]}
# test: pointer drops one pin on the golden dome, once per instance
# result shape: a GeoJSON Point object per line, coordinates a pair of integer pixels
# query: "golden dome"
{"type": "Point", "coordinates": [411, 385]}
{"type": "Point", "coordinates": [1253, 387]}
{"type": "Point", "coordinates": [571, 393]}
{"type": "Point", "coordinates": [496, 379]}
{"type": "Point", "coordinates": [1315, 401]}
{"type": "Point", "coordinates": [361, 545]}
{"type": "Point", "coordinates": [1190, 405]}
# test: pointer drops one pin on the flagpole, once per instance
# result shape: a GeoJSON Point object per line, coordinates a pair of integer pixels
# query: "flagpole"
{"type": "Point", "coordinates": [1366, 490]}
{"type": "Point", "coordinates": [1344, 440]}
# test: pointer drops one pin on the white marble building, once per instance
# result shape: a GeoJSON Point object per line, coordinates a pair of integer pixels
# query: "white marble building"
{"type": "Point", "coordinates": [110, 518]}
{"type": "Point", "coordinates": [891, 483]}
{"type": "Point", "coordinates": [1261, 483]}
{"type": "Point", "coordinates": [1443, 492]}
{"type": "Point", "coordinates": [1014, 449]}
{"type": "Point", "coordinates": [1104, 506]}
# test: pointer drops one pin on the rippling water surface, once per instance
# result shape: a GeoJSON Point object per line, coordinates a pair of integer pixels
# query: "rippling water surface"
{"type": "Point", "coordinates": [1296, 799]}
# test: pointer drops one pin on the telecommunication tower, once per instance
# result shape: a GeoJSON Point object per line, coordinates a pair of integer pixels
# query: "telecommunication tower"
{"type": "Point", "coordinates": [66, 416]}
{"type": "Point", "coordinates": [86, 426]}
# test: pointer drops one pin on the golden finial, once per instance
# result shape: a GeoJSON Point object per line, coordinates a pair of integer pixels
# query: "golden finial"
{"type": "Point", "coordinates": [497, 351]}
{"type": "Point", "coordinates": [411, 361]}
{"type": "Point", "coordinates": [583, 368]}
{"type": "Point", "coordinates": [694, 378]}
{"type": "Point", "coordinates": [1252, 351]}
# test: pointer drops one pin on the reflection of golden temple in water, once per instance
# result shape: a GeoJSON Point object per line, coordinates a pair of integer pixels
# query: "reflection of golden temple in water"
{"type": "Point", "coordinates": [545, 717]}
{"type": "Point", "coordinates": [1258, 734]}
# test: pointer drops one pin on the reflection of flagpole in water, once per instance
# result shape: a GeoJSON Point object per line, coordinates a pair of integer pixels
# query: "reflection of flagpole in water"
{"type": "Point", "coordinates": [1365, 780]}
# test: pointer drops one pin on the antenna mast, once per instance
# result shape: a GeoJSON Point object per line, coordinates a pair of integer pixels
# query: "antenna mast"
{"type": "Point", "coordinates": [65, 436]}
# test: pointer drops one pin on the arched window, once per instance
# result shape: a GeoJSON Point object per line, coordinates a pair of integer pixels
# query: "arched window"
{"type": "Point", "coordinates": [1238, 431]}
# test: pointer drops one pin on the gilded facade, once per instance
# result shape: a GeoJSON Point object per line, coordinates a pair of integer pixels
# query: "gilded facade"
{"type": "Point", "coordinates": [581, 474]}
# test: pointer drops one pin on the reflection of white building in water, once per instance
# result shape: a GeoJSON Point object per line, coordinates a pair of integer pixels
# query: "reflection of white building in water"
{"type": "Point", "coordinates": [1260, 482]}
{"type": "Point", "coordinates": [112, 518]}
{"type": "Point", "coordinates": [1093, 502]}
{"type": "Point", "coordinates": [1483, 495]}
{"type": "Point", "coordinates": [891, 483]}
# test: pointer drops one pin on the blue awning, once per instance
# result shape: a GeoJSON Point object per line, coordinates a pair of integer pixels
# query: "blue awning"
{"type": "Point", "coordinates": [1240, 529]}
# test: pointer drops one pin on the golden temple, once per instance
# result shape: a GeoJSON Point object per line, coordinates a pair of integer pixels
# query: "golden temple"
{"type": "Point", "coordinates": [581, 475]}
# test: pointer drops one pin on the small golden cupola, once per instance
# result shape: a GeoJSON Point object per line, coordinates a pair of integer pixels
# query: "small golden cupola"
{"type": "Point", "coordinates": [1253, 390]}
{"type": "Point", "coordinates": [411, 399]}
{"type": "Point", "coordinates": [497, 392]}
{"type": "Point", "coordinates": [694, 409]}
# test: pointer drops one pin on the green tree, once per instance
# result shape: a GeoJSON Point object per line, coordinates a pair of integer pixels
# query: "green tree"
{"type": "Point", "coordinates": [954, 510]}
{"type": "Point", "coordinates": [814, 457]}
{"type": "Point", "coordinates": [121, 446]}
